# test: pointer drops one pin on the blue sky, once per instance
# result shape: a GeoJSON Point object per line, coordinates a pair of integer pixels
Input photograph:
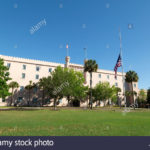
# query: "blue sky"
{"type": "Point", "coordinates": [93, 24]}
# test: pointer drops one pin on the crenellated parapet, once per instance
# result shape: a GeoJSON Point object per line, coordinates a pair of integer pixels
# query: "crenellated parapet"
{"type": "Point", "coordinates": [30, 61]}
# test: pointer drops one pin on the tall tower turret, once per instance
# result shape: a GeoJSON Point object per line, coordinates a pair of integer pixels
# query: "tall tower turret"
{"type": "Point", "coordinates": [67, 61]}
{"type": "Point", "coordinates": [67, 57]}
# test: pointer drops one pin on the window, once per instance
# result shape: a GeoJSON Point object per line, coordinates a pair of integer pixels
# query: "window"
{"type": "Point", "coordinates": [37, 76]}
{"type": "Point", "coordinates": [3, 100]}
{"type": "Point", "coordinates": [107, 76]}
{"type": "Point", "coordinates": [134, 85]}
{"type": "Point", "coordinates": [100, 75]}
{"type": "Point", "coordinates": [20, 99]}
{"type": "Point", "coordinates": [34, 100]}
{"type": "Point", "coordinates": [21, 88]}
{"type": "Point", "coordinates": [47, 101]}
{"type": "Point", "coordinates": [23, 75]}
{"type": "Point", "coordinates": [8, 65]}
{"type": "Point", "coordinates": [50, 69]}
{"type": "Point", "coordinates": [60, 101]}
{"type": "Point", "coordinates": [35, 89]}
{"type": "Point", "coordinates": [116, 84]}
{"type": "Point", "coordinates": [24, 67]}
{"type": "Point", "coordinates": [37, 68]}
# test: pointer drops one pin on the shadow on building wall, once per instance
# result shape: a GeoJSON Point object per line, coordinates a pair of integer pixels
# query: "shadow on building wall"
{"type": "Point", "coordinates": [34, 98]}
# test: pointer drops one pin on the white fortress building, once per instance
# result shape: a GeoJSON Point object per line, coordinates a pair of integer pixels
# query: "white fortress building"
{"type": "Point", "coordinates": [24, 70]}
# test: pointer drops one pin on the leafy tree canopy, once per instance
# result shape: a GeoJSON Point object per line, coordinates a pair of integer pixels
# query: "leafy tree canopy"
{"type": "Point", "coordinates": [132, 76]}
{"type": "Point", "coordinates": [90, 66]}
{"type": "Point", "coordinates": [148, 96]}
{"type": "Point", "coordinates": [65, 82]}
{"type": "Point", "coordinates": [103, 91]}
{"type": "Point", "coordinates": [142, 96]}
{"type": "Point", "coordinates": [4, 78]}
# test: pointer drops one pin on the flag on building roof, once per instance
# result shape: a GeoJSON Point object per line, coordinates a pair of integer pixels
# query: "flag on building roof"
{"type": "Point", "coordinates": [118, 64]}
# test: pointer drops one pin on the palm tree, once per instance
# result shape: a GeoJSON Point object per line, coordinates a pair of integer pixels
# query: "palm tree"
{"type": "Point", "coordinates": [13, 85]}
{"type": "Point", "coordinates": [29, 87]}
{"type": "Point", "coordinates": [132, 76]}
{"type": "Point", "coordinates": [90, 66]}
{"type": "Point", "coordinates": [42, 85]}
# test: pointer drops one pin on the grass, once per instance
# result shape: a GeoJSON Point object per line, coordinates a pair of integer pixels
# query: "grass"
{"type": "Point", "coordinates": [75, 122]}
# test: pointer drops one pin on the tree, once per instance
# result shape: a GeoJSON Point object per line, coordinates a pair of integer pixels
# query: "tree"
{"type": "Point", "coordinates": [98, 92]}
{"type": "Point", "coordinates": [56, 84]}
{"type": "Point", "coordinates": [118, 91]}
{"type": "Point", "coordinates": [107, 92]}
{"type": "Point", "coordinates": [75, 81]}
{"type": "Point", "coordinates": [148, 96]}
{"type": "Point", "coordinates": [4, 78]}
{"type": "Point", "coordinates": [114, 93]}
{"type": "Point", "coordinates": [29, 88]}
{"type": "Point", "coordinates": [131, 94]}
{"type": "Point", "coordinates": [42, 85]}
{"type": "Point", "coordinates": [90, 66]}
{"type": "Point", "coordinates": [102, 92]}
{"type": "Point", "coordinates": [13, 85]}
{"type": "Point", "coordinates": [132, 76]}
{"type": "Point", "coordinates": [142, 97]}
{"type": "Point", "coordinates": [71, 80]}
{"type": "Point", "coordinates": [67, 83]}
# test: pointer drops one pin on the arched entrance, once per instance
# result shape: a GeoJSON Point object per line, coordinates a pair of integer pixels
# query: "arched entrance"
{"type": "Point", "coordinates": [76, 103]}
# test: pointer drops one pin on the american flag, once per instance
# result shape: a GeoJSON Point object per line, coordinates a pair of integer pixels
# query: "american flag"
{"type": "Point", "coordinates": [118, 64]}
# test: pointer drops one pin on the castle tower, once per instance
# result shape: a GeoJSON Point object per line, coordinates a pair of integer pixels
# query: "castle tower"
{"type": "Point", "coordinates": [67, 57]}
{"type": "Point", "coordinates": [67, 61]}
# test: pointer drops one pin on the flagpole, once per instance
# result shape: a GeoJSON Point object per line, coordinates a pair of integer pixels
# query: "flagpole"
{"type": "Point", "coordinates": [123, 79]}
{"type": "Point", "coordinates": [85, 53]}
{"type": "Point", "coordinates": [67, 47]}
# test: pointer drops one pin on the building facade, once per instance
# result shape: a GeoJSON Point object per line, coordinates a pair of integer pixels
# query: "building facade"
{"type": "Point", "coordinates": [24, 70]}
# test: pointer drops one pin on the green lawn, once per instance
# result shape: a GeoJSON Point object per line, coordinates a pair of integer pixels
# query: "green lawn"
{"type": "Point", "coordinates": [73, 122]}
